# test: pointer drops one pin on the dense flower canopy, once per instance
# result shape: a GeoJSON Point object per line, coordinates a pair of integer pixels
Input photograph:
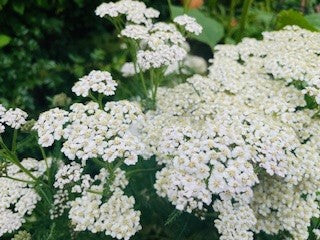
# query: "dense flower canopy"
{"type": "Point", "coordinates": [242, 142]}
{"type": "Point", "coordinates": [241, 139]}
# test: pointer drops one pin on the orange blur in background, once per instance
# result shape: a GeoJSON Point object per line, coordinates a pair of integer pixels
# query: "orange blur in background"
{"type": "Point", "coordinates": [193, 3]}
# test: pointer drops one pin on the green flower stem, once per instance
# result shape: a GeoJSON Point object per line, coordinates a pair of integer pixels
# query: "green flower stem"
{"type": "Point", "coordinates": [231, 16]}
{"type": "Point", "coordinates": [186, 4]}
{"type": "Point", "coordinates": [116, 23]}
{"type": "Point", "coordinates": [102, 164]}
{"type": "Point", "coordinates": [45, 195]}
{"type": "Point", "coordinates": [95, 192]}
{"type": "Point", "coordinates": [111, 169]}
{"type": "Point", "coordinates": [43, 153]}
{"type": "Point", "coordinates": [3, 145]}
{"type": "Point", "coordinates": [12, 157]}
{"type": "Point", "coordinates": [244, 18]}
{"type": "Point", "coordinates": [14, 140]}
{"type": "Point", "coordinates": [268, 5]}
{"type": "Point", "coordinates": [18, 180]}
{"type": "Point", "coordinates": [212, 7]}
{"type": "Point", "coordinates": [100, 100]}
{"type": "Point", "coordinates": [26, 171]}
{"type": "Point", "coordinates": [93, 98]}
{"type": "Point", "coordinates": [170, 10]}
{"type": "Point", "coordinates": [133, 50]}
{"type": "Point", "coordinates": [158, 79]}
{"type": "Point", "coordinates": [130, 173]}
{"type": "Point", "coordinates": [153, 85]}
{"type": "Point", "coordinates": [143, 82]}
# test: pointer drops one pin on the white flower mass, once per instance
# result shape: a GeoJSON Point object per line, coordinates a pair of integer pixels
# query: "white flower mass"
{"type": "Point", "coordinates": [13, 118]}
{"type": "Point", "coordinates": [96, 81]}
{"type": "Point", "coordinates": [240, 140]}
{"type": "Point", "coordinates": [135, 11]}
{"type": "Point", "coordinates": [189, 23]}
{"type": "Point", "coordinates": [18, 199]}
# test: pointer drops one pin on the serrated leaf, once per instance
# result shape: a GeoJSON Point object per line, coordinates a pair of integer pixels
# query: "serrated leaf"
{"type": "Point", "coordinates": [292, 17]}
{"type": "Point", "coordinates": [212, 31]}
{"type": "Point", "coordinates": [4, 40]}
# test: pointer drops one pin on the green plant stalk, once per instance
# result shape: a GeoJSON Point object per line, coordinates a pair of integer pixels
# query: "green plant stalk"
{"type": "Point", "coordinates": [170, 10]}
{"type": "Point", "coordinates": [100, 100]}
{"type": "Point", "coordinates": [94, 192]}
{"type": "Point", "coordinates": [93, 98]}
{"type": "Point", "coordinates": [231, 16]}
{"type": "Point", "coordinates": [116, 23]}
{"type": "Point", "coordinates": [156, 80]}
{"type": "Point", "coordinates": [111, 171]}
{"type": "Point", "coordinates": [268, 5]}
{"type": "Point", "coordinates": [212, 4]}
{"type": "Point", "coordinates": [14, 141]}
{"type": "Point", "coordinates": [18, 180]}
{"type": "Point", "coordinates": [186, 4]}
{"type": "Point", "coordinates": [133, 51]}
{"type": "Point", "coordinates": [129, 174]}
{"type": "Point", "coordinates": [43, 153]}
{"type": "Point", "coordinates": [244, 18]}
{"type": "Point", "coordinates": [153, 85]}
{"type": "Point", "coordinates": [14, 159]}
{"type": "Point", "coordinates": [45, 195]}
{"type": "Point", "coordinates": [143, 83]}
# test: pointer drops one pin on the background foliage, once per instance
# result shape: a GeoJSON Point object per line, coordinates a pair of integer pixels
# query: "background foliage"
{"type": "Point", "coordinates": [46, 45]}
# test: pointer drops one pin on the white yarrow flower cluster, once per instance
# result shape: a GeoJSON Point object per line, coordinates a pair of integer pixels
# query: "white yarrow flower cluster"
{"type": "Point", "coordinates": [163, 56]}
{"type": "Point", "coordinates": [93, 132]}
{"type": "Point", "coordinates": [113, 214]}
{"type": "Point", "coordinates": [50, 126]}
{"type": "Point", "coordinates": [13, 118]}
{"type": "Point", "coordinates": [159, 44]}
{"type": "Point", "coordinates": [241, 139]}
{"type": "Point", "coordinates": [135, 11]}
{"type": "Point", "coordinates": [96, 81]}
{"type": "Point", "coordinates": [18, 199]}
{"type": "Point", "coordinates": [189, 23]}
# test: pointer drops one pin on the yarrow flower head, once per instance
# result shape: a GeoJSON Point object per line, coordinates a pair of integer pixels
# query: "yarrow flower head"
{"type": "Point", "coordinates": [189, 23]}
{"type": "Point", "coordinates": [137, 32]}
{"type": "Point", "coordinates": [89, 210]}
{"type": "Point", "coordinates": [96, 81]}
{"type": "Point", "coordinates": [163, 56]}
{"type": "Point", "coordinates": [14, 118]}
{"type": "Point", "coordinates": [135, 11]}
{"type": "Point", "coordinates": [50, 126]}
{"type": "Point", "coordinates": [17, 198]}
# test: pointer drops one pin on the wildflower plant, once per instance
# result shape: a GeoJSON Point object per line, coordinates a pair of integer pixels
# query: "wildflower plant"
{"type": "Point", "coordinates": [154, 46]}
{"type": "Point", "coordinates": [240, 144]}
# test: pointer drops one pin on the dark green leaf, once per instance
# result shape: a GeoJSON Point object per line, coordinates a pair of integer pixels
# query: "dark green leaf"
{"type": "Point", "coordinates": [4, 40]}
{"type": "Point", "coordinates": [292, 17]}
{"type": "Point", "coordinates": [212, 32]}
